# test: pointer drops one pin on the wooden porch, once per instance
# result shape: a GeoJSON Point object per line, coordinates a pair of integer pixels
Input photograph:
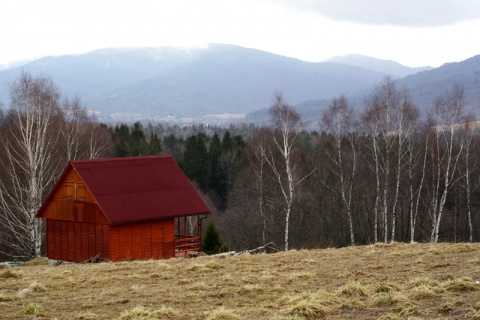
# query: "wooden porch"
{"type": "Point", "coordinates": [188, 235]}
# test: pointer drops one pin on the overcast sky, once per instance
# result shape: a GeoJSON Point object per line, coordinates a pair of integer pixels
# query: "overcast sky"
{"type": "Point", "coordinates": [412, 32]}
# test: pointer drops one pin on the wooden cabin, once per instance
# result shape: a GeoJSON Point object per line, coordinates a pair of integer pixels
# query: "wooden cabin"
{"type": "Point", "coordinates": [123, 208]}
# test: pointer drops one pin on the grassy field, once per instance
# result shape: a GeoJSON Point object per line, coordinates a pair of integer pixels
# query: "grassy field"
{"type": "Point", "coordinates": [394, 281]}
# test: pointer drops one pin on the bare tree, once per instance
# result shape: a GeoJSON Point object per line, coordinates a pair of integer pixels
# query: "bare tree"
{"type": "Point", "coordinates": [258, 164]}
{"type": "Point", "coordinates": [287, 125]}
{"type": "Point", "coordinates": [371, 121]}
{"type": "Point", "coordinates": [75, 116]}
{"type": "Point", "coordinates": [415, 190]}
{"type": "Point", "coordinates": [470, 166]}
{"type": "Point", "coordinates": [404, 117]}
{"type": "Point", "coordinates": [31, 162]}
{"type": "Point", "coordinates": [339, 122]}
{"type": "Point", "coordinates": [390, 119]}
{"type": "Point", "coordinates": [447, 117]}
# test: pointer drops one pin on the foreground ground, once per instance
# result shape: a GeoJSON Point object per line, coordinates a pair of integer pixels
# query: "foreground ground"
{"type": "Point", "coordinates": [395, 281]}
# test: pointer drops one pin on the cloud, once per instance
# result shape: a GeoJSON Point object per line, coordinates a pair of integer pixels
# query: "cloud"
{"type": "Point", "coordinates": [406, 13]}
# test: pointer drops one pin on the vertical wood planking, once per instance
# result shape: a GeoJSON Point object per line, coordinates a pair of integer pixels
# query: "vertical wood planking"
{"type": "Point", "coordinates": [147, 240]}
{"type": "Point", "coordinates": [126, 242]}
{"type": "Point", "coordinates": [106, 240]}
{"type": "Point", "coordinates": [78, 241]}
{"type": "Point", "coordinates": [115, 254]}
{"type": "Point", "coordinates": [169, 238]}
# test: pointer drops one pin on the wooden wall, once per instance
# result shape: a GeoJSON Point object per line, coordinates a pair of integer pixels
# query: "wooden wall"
{"type": "Point", "coordinates": [141, 241]}
{"type": "Point", "coordinates": [76, 241]}
{"type": "Point", "coordinates": [78, 230]}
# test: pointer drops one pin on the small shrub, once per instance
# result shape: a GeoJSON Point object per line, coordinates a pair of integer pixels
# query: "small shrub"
{"type": "Point", "coordinates": [212, 243]}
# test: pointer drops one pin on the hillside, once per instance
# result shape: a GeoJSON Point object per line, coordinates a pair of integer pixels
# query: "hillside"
{"type": "Point", "coordinates": [425, 86]}
{"type": "Point", "coordinates": [391, 68]}
{"type": "Point", "coordinates": [224, 82]}
{"type": "Point", "coordinates": [394, 281]}
{"type": "Point", "coordinates": [169, 82]}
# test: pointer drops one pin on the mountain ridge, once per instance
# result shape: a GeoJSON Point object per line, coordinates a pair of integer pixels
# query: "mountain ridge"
{"type": "Point", "coordinates": [207, 83]}
{"type": "Point", "coordinates": [389, 67]}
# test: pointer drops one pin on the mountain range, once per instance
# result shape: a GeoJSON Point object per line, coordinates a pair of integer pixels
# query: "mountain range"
{"type": "Point", "coordinates": [218, 82]}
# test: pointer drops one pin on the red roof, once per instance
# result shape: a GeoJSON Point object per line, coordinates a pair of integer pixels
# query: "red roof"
{"type": "Point", "coordinates": [140, 188]}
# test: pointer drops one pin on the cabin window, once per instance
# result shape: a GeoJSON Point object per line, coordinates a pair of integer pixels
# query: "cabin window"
{"type": "Point", "coordinates": [75, 191]}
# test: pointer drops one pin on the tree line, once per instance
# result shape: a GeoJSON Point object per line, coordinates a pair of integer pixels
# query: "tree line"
{"type": "Point", "coordinates": [379, 173]}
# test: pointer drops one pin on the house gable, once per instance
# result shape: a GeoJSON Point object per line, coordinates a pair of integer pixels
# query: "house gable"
{"type": "Point", "coordinates": [71, 200]}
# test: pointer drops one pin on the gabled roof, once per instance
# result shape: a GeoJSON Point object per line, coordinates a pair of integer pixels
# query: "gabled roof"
{"type": "Point", "coordinates": [138, 188]}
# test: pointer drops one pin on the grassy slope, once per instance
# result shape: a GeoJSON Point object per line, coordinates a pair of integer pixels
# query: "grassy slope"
{"type": "Point", "coordinates": [395, 281]}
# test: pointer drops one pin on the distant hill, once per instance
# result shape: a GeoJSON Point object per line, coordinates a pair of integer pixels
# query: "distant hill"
{"type": "Point", "coordinates": [165, 83]}
{"type": "Point", "coordinates": [222, 83]}
{"type": "Point", "coordinates": [426, 86]}
{"type": "Point", "coordinates": [391, 68]}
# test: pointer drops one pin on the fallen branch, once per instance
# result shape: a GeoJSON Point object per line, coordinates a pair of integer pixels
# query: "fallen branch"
{"type": "Point", "coordinates": [269, 246]}
{"type": "Point", "coordinates": [96, 259]}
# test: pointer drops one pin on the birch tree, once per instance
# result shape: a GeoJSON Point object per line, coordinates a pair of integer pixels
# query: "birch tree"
{"type": "Point", "coordinates": [30, 162]}
{"type": "Point", "coordinates": [339, 122]}
{"type": "Point", "coordinates": [287, 125]}
{"type": "Point", "coordinates": [404, 117]}
{"type": "Point", "coordinates": [446, 153]}
{"type": "Point", "coordinates": [390, 118]}
{"type": "Point", "coordinates": [469, 168]}
{"type": "Point", "coordinates": [74, 119]}
{"type": "Point", "coordinates": [416, 157]}
{"type": "Point", "coordinates": [371, 122]}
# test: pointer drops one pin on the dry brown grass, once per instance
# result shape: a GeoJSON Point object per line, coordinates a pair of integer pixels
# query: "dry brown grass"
{"type": "Point", "coordinates": [394, 281]}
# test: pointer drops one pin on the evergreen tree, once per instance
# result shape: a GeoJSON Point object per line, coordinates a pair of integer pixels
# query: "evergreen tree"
{"type": "Point", "coordinates": [138, 141]}
{"type": "Point", "coordinates": [213, 157]}
{"type": "Point", "coordinates": [195, 161]}
{"type": "Point", "coordinates": [121, 136]}
{"type": "Point", "coordinates": [212, 243]}
{"type": "Point", "coordinates": [154, 145]}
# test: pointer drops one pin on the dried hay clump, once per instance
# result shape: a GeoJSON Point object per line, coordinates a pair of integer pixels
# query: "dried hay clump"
{"type": "Point", "coordinates": [30, 308]}
{"type": "Point", "coordinates": [424, 292]}
{"type": "Point", "coordinates": [222, 314]}
{"type": "Point", "coordinates": [37, 262]}
{"type": "Point", "coordinates": [37, 287]}
{"type": "Point", "coordinates": [140, 312]}
{"type": "Point", "coordinates": [389, 298]}
{"type": "Point", "coordinates": [423, 288]}
{"type": "Point", "coordinates": [87, 316]}
{"type": "Point", "coordinates": [461, 285]}
{"type": "Point", "coordinates": [314, 305]}
{"type": "Point", "coordinates": [354, 289]}
{"type": "Point", "coordinates": [9, 272]}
